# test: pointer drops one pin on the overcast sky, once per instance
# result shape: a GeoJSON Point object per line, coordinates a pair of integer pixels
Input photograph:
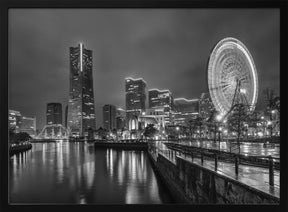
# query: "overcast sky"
{"type": "Point", "coordinates": [169, 48]}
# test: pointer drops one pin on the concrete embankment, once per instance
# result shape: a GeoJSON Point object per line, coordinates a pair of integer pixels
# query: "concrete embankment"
{"type": "Point", "coordinates": [192, 183]}
{"type": "Point", "coordinates": [122, 145]}
{"type": "Point", "coordinates": [19, 148]}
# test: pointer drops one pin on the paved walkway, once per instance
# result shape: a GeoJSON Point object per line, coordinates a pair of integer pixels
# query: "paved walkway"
{"type": "Point", "coordinates": [255, 177]}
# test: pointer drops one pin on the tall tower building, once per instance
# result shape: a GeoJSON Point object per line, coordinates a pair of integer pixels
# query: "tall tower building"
{"type": "Point", "coordinates": [66, 115]}
{"type": "Point", "coordinates": [135, 96]}
{"type": "Point", "coordinates": [54, 113]}
{"type": "Point", "coordinates": [109, 117]}
{"type": "Point", "coordinates": [81, 111]}
{"type": "Point", "coordinates": [160, 99]}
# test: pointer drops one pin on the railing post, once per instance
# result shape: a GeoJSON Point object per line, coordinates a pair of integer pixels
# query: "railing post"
{"type": "Point", "coordinates": [236, 164]}
{"type": "Point", "coordinates": [202, 158]}
{"type": "Point", "coordinates": [271, 171]}
{"type": "Point", "coordinates": [216, 162]}
{"type": "Point", "coordinates": [192, 156]}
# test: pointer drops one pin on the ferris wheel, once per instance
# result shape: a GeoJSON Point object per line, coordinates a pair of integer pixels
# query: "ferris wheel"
{"type": "Point", "coordinates": [232, 76]}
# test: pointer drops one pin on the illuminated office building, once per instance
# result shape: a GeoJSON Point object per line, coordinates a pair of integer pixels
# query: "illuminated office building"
{"type": "Point", "coordinates": [81, 111]}
{"type": "Point", "coordinates": [160, 98]}
{"type": "Point", "coordinates": [187, 106]}
{"type": "Point", "coordinates": [109, 117]}
{"type": "Point", "coordinates": [15, 120]}
{"type": "Point", "coordinates": [185, 109]}
{"type": "Point", "coordinates": [28, 125]}
{"type": "Point", "coordinates": [54, 113]}
{"type": "Point", "coordinates": [135, 97]}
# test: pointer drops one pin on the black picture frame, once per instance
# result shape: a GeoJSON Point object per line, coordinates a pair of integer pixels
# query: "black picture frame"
{"type": "Point", "coordinates": [5, 5]}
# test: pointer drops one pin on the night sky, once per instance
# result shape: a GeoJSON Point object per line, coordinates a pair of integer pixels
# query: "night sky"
{"type": "Point", "coordinates": [169, 48]}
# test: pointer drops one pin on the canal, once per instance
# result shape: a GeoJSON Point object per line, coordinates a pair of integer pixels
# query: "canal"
{"type": "Point", "coordinates": [77, 173]}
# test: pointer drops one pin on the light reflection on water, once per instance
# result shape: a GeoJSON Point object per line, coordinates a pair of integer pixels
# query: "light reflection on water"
{"type": "Point", "coordinates": [77, 173]}
{"type": "Point", "coordinates": [246, 148]}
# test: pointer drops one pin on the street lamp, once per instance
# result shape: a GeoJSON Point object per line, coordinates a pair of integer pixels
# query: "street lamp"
{"type": "Point", "coordinates": [219, 117]}
{"type": "Point", "coordinates": [177, 129]}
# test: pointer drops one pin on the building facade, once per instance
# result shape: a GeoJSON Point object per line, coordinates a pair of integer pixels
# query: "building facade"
{"type": "Point", "coordinates": [135, 97]}
{"type": "Point", "coordinates": [184, 110]}
{"type": "Point", "coordinates": [20, 123]}
{"type": "Point", "coordinates": [28, 125]}
{"type": "Point", "coordinates": [120, 119]}
{"type": "Point", "coordinates": [15, 120]}
{"type": "Point", "coordinates": [54, 113]}
{"type": "Point", "coordinates": [66, 115]}
{"type": "Point", "coordinates": [109, 117]}
{"type": "Point", "coordinates": [160, 98]}
{"type": "Point", "coordinates": [81, 111]}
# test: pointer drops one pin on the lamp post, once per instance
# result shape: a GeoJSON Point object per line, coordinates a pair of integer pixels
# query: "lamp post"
{"type": "Point", "coordinates": [219, 136]}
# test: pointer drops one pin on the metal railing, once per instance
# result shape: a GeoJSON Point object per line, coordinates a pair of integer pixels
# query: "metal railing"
{"type": "Point", "coordinates": [216, 155]}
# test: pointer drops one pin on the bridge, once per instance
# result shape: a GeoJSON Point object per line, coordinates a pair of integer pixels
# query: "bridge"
{"type": "Point", "coordinates": [53, 132]}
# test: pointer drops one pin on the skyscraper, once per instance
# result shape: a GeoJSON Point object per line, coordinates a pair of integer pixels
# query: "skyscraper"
{"type": "Point", "coordinates": [109, 117]}
{"type": "Point", "coordinates": [160, 98]}
{"type": "Point", "coordinates": [135, 96]}
{"type": "Point", "coordinates": [81, 111]}
{"type": "Point", "coordinates": [54, 113]}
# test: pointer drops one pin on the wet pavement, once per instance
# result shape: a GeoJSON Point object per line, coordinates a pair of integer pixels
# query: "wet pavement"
{"type": "Point", "coordinates": [256, 177]}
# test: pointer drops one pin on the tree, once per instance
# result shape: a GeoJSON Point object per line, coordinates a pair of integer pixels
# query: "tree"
{"type": "Point", "coordinates": [12, 134]}
{"type": "Point", "coordinates": [102, 133]}
{"type": "Point", "coordinates": [191, 128]}
{"type": "Point", "coordinates": [237, 121]}
{"type": "Point", "coordinates": [21, 137]}
{"type": "Point", "coordinates": [272, 104]}
{"type": "Point", "coordinates": [212, 123]}
{"type": "Point", "coordinates": [150, 131]}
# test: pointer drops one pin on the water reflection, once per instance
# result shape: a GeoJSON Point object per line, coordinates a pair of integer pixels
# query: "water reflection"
{"type": "Point", "coordinates": [77, 173]}
{"type": "Point", "coordinates": [246, 147]}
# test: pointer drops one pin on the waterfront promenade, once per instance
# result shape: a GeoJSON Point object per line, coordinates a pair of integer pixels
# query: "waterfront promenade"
{"type": "Point", "coordinates": [256, 177]}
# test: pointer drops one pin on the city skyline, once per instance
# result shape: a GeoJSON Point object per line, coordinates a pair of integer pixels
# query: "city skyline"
{"type": "Point", "coordinates": [161, 46]}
